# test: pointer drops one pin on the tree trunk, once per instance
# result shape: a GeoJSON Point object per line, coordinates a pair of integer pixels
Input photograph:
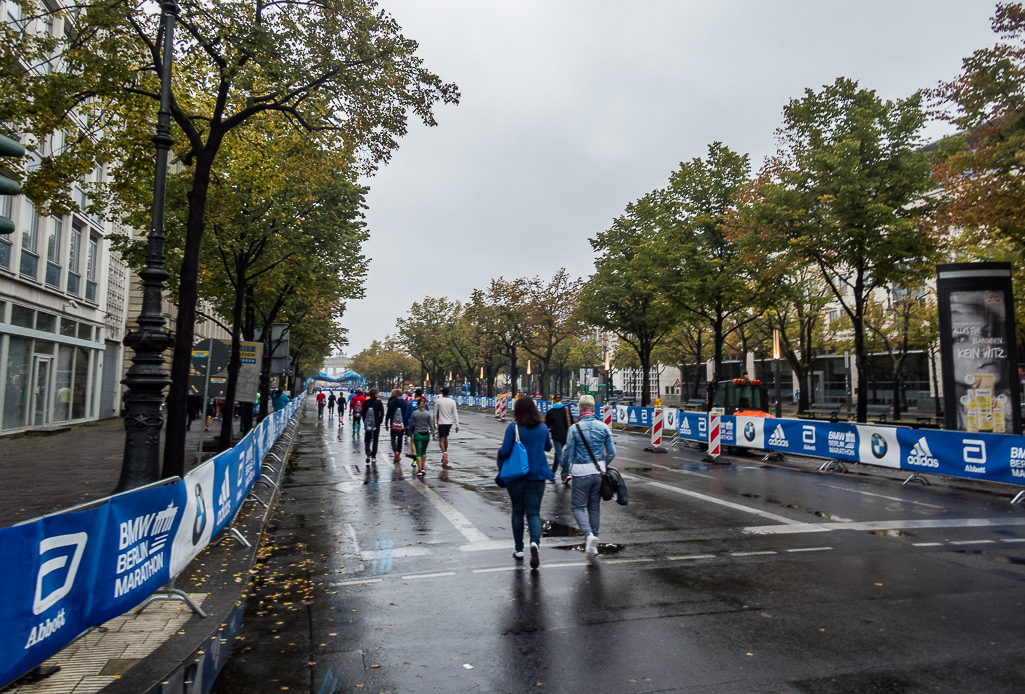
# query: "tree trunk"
{"type": "Point", "coordinates": [896, 391]}
{"type": "Point", "coordinates": [717, 337]}
{"type": "Point", "coordinates": [235, 364]}
{"type": "Point", "coordinates": [181, 362]}
{"type": "Point", "coordinates": [861, 359]}
{"type": "Point", "coordinates": [513, 370]}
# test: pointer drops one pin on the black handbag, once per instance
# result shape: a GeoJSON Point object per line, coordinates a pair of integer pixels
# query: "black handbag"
{"type": "Point", "coordinates": [611, 480]}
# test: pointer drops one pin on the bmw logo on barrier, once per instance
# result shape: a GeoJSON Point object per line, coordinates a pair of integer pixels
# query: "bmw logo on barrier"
{"type": "Point", "coordinates": [878, 446]}
{"type": "Point", "coordinates": [749, 431]}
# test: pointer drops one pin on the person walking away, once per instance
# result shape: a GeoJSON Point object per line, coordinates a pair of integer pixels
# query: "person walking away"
{"type": "Point", "coordinates": [589, 449]}
{"type": "Point", "coordinates": [446, 415]}
{"type": "Point", "coordinates": [411, 406]}
{"type": "Point", "coordinates": [558, 420]}
{"type": "Point", "coordinates": [321, 403]}
{"type": "Point", "coordinates": [372, 415]}
{"type": "Point", "coordinates": [331, 400]}
{"type": "Point", "coordinates": [355, 410]}
{"type": "Point", "coordinates": [192, 406]}
{"type": "Point", "coordinates": [395, 422]}
{"type": "Point", "coordinates": [527, 491]}
{"type": "Point", "coordinates": [422, 424]}
{"type": "Point", "coordinates": [280, 400]}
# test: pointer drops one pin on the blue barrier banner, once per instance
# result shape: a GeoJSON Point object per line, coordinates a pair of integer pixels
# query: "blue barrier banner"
{"type": "Point", "coordinates": [136, 550]}
{"type": "Point", "coordinates": [692, 425]}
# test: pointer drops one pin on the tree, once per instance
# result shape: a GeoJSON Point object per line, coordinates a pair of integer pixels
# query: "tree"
{"type": "Point", "coordinates": [550, 320]}
{"type": "Point", "coordinates": [341, 69]}
{"type": "Point", "coordinates": [711, 278]}
{"type": "Point", "coordinates": [422, 334]}
{"type": "Point", "coordinates": [981, 178]}
{"type": "Point", "coordinates": [500, 314]}
{"type": "Point", "coordinates": [277, 201]}
{"type": "Point", "coordinates": [847, 192]}
{"type": "Point", "coordinates": [627, 294]}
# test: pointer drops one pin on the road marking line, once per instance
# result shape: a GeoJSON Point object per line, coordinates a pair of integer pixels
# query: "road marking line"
{"type": "Point", "coordinates": [348, 469]}
{"type": "Point", "coordinates": [882, 525]}
{"type": "Point", "coordinates": [752, 554]}
{"type": "Point", "coordinates": [927, 544]}
{"type": "Point", "coordinates": [810, 549]}
{"type": "Point", "coordinates": [972, 542]}
{"type": "Point", "coordinates": [437, 575]}
{"type": "Point", "coordinates": [1017, 539]}
{"type": "Point", "coordinates": [399, 552]}
{"type": "Point", "coordinates": [692, 556]}
{"type": "Point", "coordinates": [501, 568]}
{"type": "Point", "coordinates": [665, 467]}
{"type": "Point", "coordinates": [624, 561]}
{"type": "Point", "coordinates": [352, 536]}
{"type": "Point", "coordinates": [557, 566]}
{"type": "Point", "coordinates": [881, 496]}
{"type": "Point", "coordinates": [358, 583]}
{"type": "Point", "coordinates": [461, 522]}
{"type": "Point", "coordinates": [715, 500]}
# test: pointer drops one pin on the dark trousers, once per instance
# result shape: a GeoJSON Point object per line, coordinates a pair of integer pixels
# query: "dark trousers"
{"type": "Point", "coordinates": [370, 442]}
{"type": "Point", "coordinates": [526, 498]}
{"type": "Point", "coordinates": [396, 441]}
{"type": "Point", "coordinates": [320, 410]}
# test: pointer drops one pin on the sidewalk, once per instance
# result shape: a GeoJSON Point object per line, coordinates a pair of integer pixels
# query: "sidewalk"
{"type": "Point", "coordinates": [166, 648]}
{"type": "Point", "coordinates": [46, 473]}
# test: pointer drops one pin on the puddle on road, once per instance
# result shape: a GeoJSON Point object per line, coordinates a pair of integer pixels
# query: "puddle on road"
{"type": "Point", "coordinates": [999, 558]}
{"type": "Point", "coordinates": [830, 516]}
{"type": "Point", "coordinates": [752, 496]}
{"type": "Point", "coordinates": [890, 533]}
{"type": "Point", "coordinates": [558, 529]}
{"type": "Point", "coordinates": [638, 469]}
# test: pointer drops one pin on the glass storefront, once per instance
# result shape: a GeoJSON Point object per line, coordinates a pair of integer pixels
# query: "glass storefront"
{"type": "Point", "coordinates": [47, 381]}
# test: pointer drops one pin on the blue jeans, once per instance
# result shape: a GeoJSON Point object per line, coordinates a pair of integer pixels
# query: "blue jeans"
{"type": "Point", "coordinates": [559, 459]}
{"type": "Point", "coordinates": [587, 503]}
{"type": "Point", "coordinates": [526, 498]}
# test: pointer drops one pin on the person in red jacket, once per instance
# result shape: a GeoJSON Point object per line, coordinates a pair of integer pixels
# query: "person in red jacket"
{"type": "Point", "coordinates": [321, 402]}
{"type": "Point", "coordinates": [356, 410]}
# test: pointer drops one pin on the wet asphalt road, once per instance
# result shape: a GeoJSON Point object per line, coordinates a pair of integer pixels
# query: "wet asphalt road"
{"type": "Point", "coordinates": [742, 578]}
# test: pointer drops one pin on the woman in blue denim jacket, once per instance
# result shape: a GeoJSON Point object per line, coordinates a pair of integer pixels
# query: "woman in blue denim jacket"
{"type": "Point", "coordinates": [527, 491]}
{"type": "Point", "coordinates": [586, 476]}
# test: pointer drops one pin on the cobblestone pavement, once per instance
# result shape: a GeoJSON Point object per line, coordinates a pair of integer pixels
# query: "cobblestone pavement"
{"type": "Point", "coordinates": [45, 473]}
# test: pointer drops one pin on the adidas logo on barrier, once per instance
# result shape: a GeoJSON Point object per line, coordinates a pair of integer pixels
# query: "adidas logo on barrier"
{"type": "Point", "coordinates": [685, 426]}
{"type": "Point", "coordinates": [921, 456]}
{"type": "Point", "coordinates": [778, 438]}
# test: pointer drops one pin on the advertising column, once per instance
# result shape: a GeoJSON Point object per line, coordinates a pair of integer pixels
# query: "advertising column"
{"type": "Point", "coordinates": [978, 348]}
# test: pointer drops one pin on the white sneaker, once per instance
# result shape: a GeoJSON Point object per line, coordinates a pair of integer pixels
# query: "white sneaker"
{"type": "Point", "coordinates": [535, 555]}
{"type": "Point", "coordinates": [518, 554]}
{"type": "Point", "coordinates": [591, 547]}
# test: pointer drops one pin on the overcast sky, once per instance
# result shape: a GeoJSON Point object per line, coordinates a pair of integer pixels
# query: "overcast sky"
{"type": "Point", "coordinates": [572, 110]}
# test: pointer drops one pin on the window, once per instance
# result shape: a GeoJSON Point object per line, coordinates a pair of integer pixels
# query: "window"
{"type": "Point", "coordinates": [68, 327]}
{"type": "Point", "coordinates": [53, 251]}
{"type": "Point", "coordinates": [74, 251]}
{"type": "Point", "coordinates": [85, 332]}
{"type": "Point", "coordinates": [6, 203]}
{"type": "Point", "coordinates": [47, 322]}
{"type": "Point", "coordinates": [29, 242]}
{"type": "Point", "coordinates": [91, 260]}
{"type": "Point", "coordinates": [834, 314]}
{"type": "Point", "coordinates": [3, 311]}
{"type": "Point", "coordinates": [22, 316]}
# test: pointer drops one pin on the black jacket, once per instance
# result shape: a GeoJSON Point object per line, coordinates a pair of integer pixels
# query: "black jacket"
{"type": "Point", "coordinates": [378, 411]}
{"type": "Point", "coordinates": [396, 411]}
{"type": "Point", "coordinates": [559, 420]}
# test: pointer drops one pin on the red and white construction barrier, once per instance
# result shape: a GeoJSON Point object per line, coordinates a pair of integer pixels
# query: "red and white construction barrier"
{"type": "Point", "coordinates": [505, 407]}
{"type": "Point", "coordinates": [498, 408]}
{"type": "Point", "coordinates": [714, 435]}
{"type": "Point", "coordinates": [606, 415]}
{"type": "Point", "coordinates": [656, 427]}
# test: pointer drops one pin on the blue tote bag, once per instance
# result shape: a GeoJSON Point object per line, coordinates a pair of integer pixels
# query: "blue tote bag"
{"type": "Point", "coordinates": [516, 465]}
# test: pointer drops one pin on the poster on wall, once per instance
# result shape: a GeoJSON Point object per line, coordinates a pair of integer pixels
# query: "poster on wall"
{"type": "Point", "coordinates": [978, 348]}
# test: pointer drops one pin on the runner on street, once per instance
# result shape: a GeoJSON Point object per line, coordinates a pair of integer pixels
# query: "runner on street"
{"type": "Point", "coordinates": [355, 410]}
{"type": "Point", "coordinates": [446, 415]}
{"type": "Point", "coordinates": [422, 424]}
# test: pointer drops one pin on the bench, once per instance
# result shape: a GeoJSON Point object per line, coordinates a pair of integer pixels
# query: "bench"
{"type": "Point", "coordinates": [818, 410]}
{"type": "Point", "coordinates": [879, 413]}
{"type": "Point", "coordinates": [695, 404]}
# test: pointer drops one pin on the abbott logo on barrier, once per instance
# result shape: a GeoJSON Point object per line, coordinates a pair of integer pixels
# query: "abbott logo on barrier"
{"type": "Point", "coordinates": [778, 438]}
{"type": "Point", "coordinates": [974, 455]}
{"type": "Point", "coordinates": [77, 540]}
{"type": "Point", "coordinates": [921, 456]}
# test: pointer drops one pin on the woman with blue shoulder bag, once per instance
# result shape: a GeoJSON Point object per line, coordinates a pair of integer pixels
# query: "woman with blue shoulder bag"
{"type": "Point", "coordinates": [523, 471]}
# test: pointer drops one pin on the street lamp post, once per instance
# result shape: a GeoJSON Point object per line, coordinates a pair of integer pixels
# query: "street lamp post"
{"type": "Point", "coordinates": [147, 377]}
